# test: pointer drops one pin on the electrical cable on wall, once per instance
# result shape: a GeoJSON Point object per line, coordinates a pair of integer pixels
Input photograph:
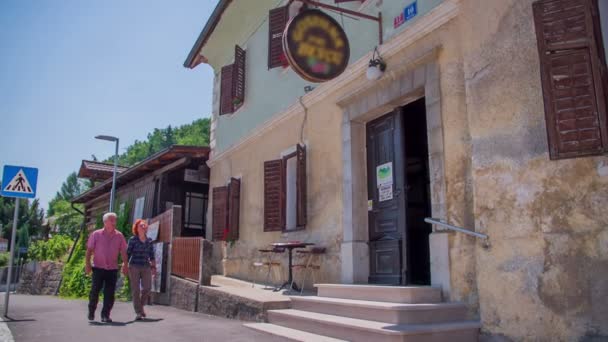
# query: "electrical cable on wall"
{"type": "Point", "coordinates": [303, 120]}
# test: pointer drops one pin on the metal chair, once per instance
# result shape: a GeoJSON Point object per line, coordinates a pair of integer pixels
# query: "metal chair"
{"type": "Point", "coordinates": [311, 264]}
{"type": "Point", "coordinates": [268, 261]}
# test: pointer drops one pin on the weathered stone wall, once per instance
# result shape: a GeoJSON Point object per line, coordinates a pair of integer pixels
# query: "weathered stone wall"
{"type": "Point", "coordinates": [545, 277]}
{"type": "Point", "coordinates": [40, 278]}
{"type": "Point", "coordinates": [227, 305]}
{"type": "Point", "coordinates": [183, 294]}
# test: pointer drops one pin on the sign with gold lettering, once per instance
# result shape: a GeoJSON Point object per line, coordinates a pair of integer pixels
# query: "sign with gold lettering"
{"type": "Point", "coordinates": [316, 46]}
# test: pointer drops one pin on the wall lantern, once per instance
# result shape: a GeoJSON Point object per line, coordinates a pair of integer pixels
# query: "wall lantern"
{"type": "Point", "coordinates": [376, 66]}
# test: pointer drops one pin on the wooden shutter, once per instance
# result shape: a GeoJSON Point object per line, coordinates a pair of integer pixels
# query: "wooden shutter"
{"type": "Point", "coordinates": [220, 212]}
{"type": "Point", "coordinates": [274, 196]}
{"type": "Point", "coordinates": [301, 186]}
{"type": "Point", "coordinates": [234, 197]}
{"type": "Point", "coordinates": [277, 20]}
{"type": "Point", "coordinates": [238, 78]}
{"type": "Point", "coordinates": [226, 104]}
{"type": "Point", "coordinates": [575, 107]}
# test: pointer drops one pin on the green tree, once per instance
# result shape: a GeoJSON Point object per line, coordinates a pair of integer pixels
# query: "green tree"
{"type": "Point", "coordinates": [30, 216]}
{"type": "Point", "coordinates": [194, 134]}
{"type": "Point", "coordinates": [60, 212]}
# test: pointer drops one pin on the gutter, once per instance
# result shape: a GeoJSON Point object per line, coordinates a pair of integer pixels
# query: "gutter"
{"type": "Point", "coordinates": [194, 58]}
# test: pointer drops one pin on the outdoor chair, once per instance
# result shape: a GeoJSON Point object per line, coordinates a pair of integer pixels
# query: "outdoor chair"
{"type": "Point", "coordinates": [268, 262]}
{"type": "Point", "coordinates": [309, 266]}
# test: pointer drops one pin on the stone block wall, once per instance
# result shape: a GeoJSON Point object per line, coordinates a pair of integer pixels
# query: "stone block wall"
{"type": "Point", "coordinates": [226, 305]}
{"type": "Point", "coordinates": [183, 294]}
{"type": "Point", "coordinates": [40, 278]}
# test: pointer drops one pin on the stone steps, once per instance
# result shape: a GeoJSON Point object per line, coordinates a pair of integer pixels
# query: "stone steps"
{"type": "Point", "coordinates": [380, 293]}
{"type": "Point", "coordinates": [290, 334]}
{"type": "Point", "coordinates": [352, 329]}
{"type": "Point", "coordinates": [395, 313]}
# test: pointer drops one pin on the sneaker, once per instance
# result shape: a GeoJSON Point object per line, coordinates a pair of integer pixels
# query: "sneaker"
{"type": "Point", "coordinates": [138, 317]}
{"type": "Point", "coordinates": [91, 316]}
{"type": "Point", "coordinates": [106, 320]}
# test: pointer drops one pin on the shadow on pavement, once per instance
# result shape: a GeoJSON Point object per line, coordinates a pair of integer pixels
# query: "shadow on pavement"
{"type": "Point", "coordinates": [150, 320]}
{"type": "Point", "coordinates": [14, 320]}
{"type": "Point", "coordinates": [113, 324]}
{"type": "Point", "coordinates": [122, 324]}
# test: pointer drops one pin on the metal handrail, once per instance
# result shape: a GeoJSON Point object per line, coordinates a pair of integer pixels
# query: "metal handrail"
{"type": "Point", "coordinates": [455, 228]}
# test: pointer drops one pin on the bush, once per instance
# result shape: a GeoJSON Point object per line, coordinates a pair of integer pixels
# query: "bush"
{"type": "Point", "coordinates": [54, 249]}
{"type": "Point", "coordinates": [4, 256]}
{"type": "Point", "coordinates": [75, 282]}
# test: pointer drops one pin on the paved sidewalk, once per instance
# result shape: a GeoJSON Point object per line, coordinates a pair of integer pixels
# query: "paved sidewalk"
{"type": "Point", "coordinates": [50, 319]}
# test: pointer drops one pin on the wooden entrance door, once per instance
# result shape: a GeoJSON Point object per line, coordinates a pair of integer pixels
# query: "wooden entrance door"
{"type": "Point", "coordinates": [386, 184]}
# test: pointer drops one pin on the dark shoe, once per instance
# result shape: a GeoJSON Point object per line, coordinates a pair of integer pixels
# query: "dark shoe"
{"type": "Point", "coordinates": [143, 313]}
{"type": "Point", "coordinates": [106, 320]}
{"type": "Point", "coordinates": [91, 316]}
{"type": "Point", "coordinates": [138, 317]}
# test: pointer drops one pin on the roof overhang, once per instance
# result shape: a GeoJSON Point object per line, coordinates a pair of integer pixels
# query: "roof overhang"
{"type": "Point", "coordinates": [231, 23]}
{"type": "Point", "coordinates": [155, 162]}
{"type": "Point", "coordinates": [97, 171]}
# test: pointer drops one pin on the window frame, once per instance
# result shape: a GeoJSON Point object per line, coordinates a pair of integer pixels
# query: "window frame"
{"type": "Point", "coordinates": [285, 158]}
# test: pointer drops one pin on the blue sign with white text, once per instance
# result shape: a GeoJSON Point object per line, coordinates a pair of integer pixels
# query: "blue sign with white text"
{"type": "Point", "coordinates": [19, 181]}
{"type": "Point", "coordinates": [410, 11]}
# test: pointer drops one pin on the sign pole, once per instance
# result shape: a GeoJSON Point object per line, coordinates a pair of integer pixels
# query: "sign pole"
{"type": "Point", "coordinates": [12, 255]}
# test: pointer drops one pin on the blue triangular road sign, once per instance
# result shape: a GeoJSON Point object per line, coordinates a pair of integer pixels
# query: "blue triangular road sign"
{"type": "Point", "coordinates": [19, 181]}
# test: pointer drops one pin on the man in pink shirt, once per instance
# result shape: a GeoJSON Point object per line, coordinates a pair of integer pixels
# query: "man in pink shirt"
{"type": "Point", "coordinates": [104, 245]}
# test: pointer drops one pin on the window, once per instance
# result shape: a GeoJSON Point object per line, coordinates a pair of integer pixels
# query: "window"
{"type": "Point", "coordinates": [232, 83]}
{"type": "Point", "coordinates": [226, 211]}
{"type": "Point", "coordinates": [138, 212]}
{"type": "Point", "coordinates": [573, 75]}
{"type": "Point", "coordinates": [290, 164]}
{"type": "Point", "coordinates": [194, 211]}
{"type": "Point", "coordinates": [285, 192]}
{"type": "Point", "coordinates": [277, 20]}
{"type": "Point", "coordinates": [603, 8]}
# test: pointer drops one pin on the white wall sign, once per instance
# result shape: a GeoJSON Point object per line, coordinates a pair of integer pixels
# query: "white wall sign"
{"type": "Point", "coordinates": [153, 230]}
{"type": "Point", "coordinates": [384, 174]}
{"type": "Point", "coordinates": [385, 192]}
{"type": "Point", "coordinates": [158, 255]}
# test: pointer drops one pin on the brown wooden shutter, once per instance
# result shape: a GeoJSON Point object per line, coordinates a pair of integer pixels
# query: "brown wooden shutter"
{"type": "Point", "coordinates": [575, 107]}
{"type": "Point", "coordinates": [220, 212]}
{"type": "Point", "coordinates": [238, 78]}
{"type": "Point", "coordinates": [234, 197]}
{"type": "Point", "coordinates": [226, 104]}
{"type": "Point", "coordinates": [301, 186]}
{"type": "Point", "coordinates": [277, 20]}
{"type": "Point", "coordinates": [274, 196]}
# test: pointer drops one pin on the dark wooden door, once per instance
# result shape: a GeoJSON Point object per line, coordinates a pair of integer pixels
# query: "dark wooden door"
{"type": "Point", "coordinates": [386, 184]}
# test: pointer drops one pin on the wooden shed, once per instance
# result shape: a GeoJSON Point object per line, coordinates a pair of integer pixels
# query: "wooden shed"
{"type": "Point", "coordinates": [177, 175]}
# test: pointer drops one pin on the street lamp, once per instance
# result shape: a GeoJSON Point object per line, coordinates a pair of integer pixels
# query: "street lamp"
{"type": "Point", "coordinates": [110, 138]}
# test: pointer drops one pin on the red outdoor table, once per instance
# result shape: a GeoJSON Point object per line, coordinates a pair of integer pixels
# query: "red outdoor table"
{"type": "Point", "coordinates": [290, 247]}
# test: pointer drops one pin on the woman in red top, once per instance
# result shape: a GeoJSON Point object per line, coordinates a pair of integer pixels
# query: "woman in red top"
{"type": "Point", "coordinates": [142, 265]}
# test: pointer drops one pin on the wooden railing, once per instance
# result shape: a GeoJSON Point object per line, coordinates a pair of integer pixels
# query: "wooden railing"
{"type": "Point", "coordinates": [186, 257]}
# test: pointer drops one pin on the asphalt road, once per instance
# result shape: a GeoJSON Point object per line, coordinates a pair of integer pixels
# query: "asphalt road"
{"type": "Point", "coordinates": [50, 319]}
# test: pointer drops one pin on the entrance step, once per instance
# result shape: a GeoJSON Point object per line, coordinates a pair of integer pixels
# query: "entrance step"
{"type": "Point", "coordinates": [395, 313]}
{"type": "Point", "coordinates": [379, 293]}
{"type": "Point", "coordinates": [353, 329]}
{"type": "Point", "coordinates": [290, 334]}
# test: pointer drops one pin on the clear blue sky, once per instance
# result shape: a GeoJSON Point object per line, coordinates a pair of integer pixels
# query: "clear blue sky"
{"type": "Point", "coordinates": [72, 69]}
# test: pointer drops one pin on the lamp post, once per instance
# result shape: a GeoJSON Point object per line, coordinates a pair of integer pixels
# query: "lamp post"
{"type": "Point", "coordinates": [110, 138]}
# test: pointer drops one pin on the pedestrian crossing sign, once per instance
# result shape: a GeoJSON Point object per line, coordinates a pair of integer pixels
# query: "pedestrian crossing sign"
{"type": "Point", "coordinates": [19, 181]}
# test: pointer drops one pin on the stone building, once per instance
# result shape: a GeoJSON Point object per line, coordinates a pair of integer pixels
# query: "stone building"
{"type": "Point", "coordinates": [490, 116]}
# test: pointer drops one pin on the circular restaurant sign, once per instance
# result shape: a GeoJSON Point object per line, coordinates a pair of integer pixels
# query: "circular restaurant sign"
{"type": "Point", "coordinates": [316, 46]}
